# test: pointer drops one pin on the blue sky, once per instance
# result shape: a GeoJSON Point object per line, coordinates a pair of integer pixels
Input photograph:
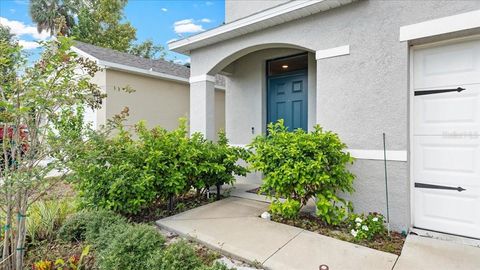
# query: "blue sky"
{"type": "Point", "coordinates": [161, 21]}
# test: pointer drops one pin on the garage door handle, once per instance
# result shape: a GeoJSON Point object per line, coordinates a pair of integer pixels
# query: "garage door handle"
{"type": "Point", "coordinates": [438, 91]}
{"type": "Point", "coordinates": [422, 185]}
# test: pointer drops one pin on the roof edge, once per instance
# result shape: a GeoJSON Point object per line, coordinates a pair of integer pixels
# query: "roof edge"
{"type": "Point", "coordinates": [186, 44]}
{"type": "Point", "coordinates": [135, 70]}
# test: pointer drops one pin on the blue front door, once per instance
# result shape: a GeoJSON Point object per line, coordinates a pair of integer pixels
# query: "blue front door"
{"type": "Point", "coordinates": [287, 100]}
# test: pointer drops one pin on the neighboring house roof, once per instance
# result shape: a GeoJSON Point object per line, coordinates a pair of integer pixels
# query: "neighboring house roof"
{"type": "Point", "coordinates": [264, 19]}
{"type": "Point", "coordinates": [136, 64]}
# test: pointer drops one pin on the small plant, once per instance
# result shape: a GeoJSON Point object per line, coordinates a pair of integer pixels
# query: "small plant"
{"type": "Point", "coordinates": [287, 209]}
{"type": "Point", "coordinates": [46, 217]}
{"type": "Point", "coordinates": [299, 166]}
{"type": "Point", "coordinates": [88, 224]}
{"type": "Point", "coordinates": [180, 256]}
{"type": "Point", "coordinates": [72, 263]}
{"type": "Point", "coordinates": [367, 227]}
{"type": "Point", "coordinates": [131, 249]}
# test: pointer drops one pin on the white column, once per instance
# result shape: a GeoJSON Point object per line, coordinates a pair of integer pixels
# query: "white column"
{"type": "Point", "coordinates": [202, 105]}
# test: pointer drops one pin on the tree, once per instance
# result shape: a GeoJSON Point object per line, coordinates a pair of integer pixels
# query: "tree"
{"type": "Point", "coordinates": [99, 22]}
{"type": "Point", "coordinates": [45, 13]}
{"type": "Point", "coordinates": [101, 25]}
{"type": "Point", "coordinates": [8, 65]}
{"type": "Point", "coordinates": [41, 117]}
{"type": "Point", "coordinates": [147, 49]}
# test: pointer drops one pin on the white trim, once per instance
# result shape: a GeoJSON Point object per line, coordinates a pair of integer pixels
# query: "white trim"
{"type": "Point", "coordinates": [142, 71]}
{"type": "Point", "coordinates": [392, 155]}
{"type": "Point", "coordinates": [332, 52]}
{"type": "Point", "coordinates": [463, 21]}
{"type": "Point", "coordinates": [84, 54]}
{"type": "Point", "coordinates": [280, 14]}
{"type": "Point", "coordinates": [202, 78]}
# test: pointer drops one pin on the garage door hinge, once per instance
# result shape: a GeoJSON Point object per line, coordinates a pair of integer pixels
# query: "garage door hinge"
{"type": "Point", "coordinates": [438, 91]}
{"type": "Point", "coordinates": [422, 185]}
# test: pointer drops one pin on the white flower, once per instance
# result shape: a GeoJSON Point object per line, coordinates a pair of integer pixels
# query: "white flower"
{"type": "Point", "coordinates": [365, 228]}
{"type": "Point", "coordinates": [375, 219]}
{"type": "Point", "coordinates": [358, 220]}
{"type": "Point", "coordinates": [354, 232]}
{"type": "Point", "coordinates": [358, 224]}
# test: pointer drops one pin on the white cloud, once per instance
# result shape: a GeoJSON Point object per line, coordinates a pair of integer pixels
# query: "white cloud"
{"type": "Point", "coordinates": [182, 61]}
{"type": "Point", "coordinates": [28, 45]}
{"type": "Point", "coordinates": [20, 29]}
{"type": "Point", "coordinates": [206, 20]}
{"type": "Point", "coordinates": [209, 3]}
{"type": "Point", "coordinates": [164, 9]}
{"type": "Point", "coordinates": [187, 26]}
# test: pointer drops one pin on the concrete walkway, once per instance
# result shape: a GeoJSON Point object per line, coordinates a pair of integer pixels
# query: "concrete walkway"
{"type": "Point", "coordinates": [432, 254]}
{"type": "Point", "coordinates": [232, 226]}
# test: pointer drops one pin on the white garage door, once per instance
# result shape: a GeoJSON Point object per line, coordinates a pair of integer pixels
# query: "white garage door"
{"type": "Point", "coordinates": [446, 138]}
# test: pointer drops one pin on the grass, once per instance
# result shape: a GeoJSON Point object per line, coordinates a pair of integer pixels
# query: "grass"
{"type": "Point", "coordinates": [392, 244]}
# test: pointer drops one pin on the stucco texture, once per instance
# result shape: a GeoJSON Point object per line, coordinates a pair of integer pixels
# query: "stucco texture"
{"type": "Point", "coordinates": [157, 101]}
{"type": "Point", "coordinates": [235, 9]}
{"type": "Point", "coordinates": [359, 96]}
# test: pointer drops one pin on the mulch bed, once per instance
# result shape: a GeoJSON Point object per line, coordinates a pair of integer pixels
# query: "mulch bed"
{"type": "Point", "coordinates": [159, 209]}
{"type": "Point", "coordinates": [53, 250]}
{"type": "Point", "coordinates": [392, 244]}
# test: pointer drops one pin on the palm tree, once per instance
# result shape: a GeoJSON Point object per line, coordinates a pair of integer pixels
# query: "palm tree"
{"type": "Point", "coordinates": [46, 13]}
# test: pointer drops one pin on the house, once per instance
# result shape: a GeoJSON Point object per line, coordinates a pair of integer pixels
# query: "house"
{"type": "Point", "coordinates": [409, 69]}
{"type": "Point", "coordinates": [161, 89]}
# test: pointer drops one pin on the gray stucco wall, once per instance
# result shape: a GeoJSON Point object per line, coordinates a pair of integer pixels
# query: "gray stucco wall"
{"type": "Point", "coordinates": [369, 195]}
{"type": "Point", "coordinates": [235, 9]}
{"type": "Point", "coordinates": [359, 95]}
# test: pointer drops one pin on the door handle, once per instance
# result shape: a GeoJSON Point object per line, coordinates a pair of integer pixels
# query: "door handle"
{"type": "Point", "coordinates": [430, 186]}
{"type": "Point", "coordinates": [438, 91]}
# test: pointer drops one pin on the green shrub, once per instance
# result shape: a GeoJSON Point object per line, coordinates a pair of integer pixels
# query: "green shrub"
{"type": "Point", "coordinates": [132, 249]}
{"type": "Point", "coordinates": [367, 227]}
{"type": "Point", "coordinates": [299, 166]}
{"type": "Point", "coordinates": [74, 228]}
{"type": "Point", "coordinates": [124, 174]}
{"type": "Point", "coordinates": [216, 163]}
{"type": "Point", "coordinates": [88, 225]}
{"type": "Point", "coordinates": [46, 217]}
{"type": "Point", "coordinates": [288, 209]}
{"type": "Point", "coordinates": [108, 172]}
{"type": "Point", "coordinates": [180, 256]}
{"type": "Point", "coordinates": [167, 159]}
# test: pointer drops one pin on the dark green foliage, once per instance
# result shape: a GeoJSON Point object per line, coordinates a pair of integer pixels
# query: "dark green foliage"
{"type": "Point", "coordinates": [126, 175]}
{"type": "Point", "coordinates": [299, 166]}
{"type": "Point", "coordinates": [75, 227]}
{"type": "Point", "coordinates": [131, 249]}
{"type": "Point", "coordinates": [88, 225]}
{"type": "Point", "coordinates": [215, 163]}
{"type": "Point", "coordinates": [109, 173]}
{"type": "Point", "coordinates": [180, 256]}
